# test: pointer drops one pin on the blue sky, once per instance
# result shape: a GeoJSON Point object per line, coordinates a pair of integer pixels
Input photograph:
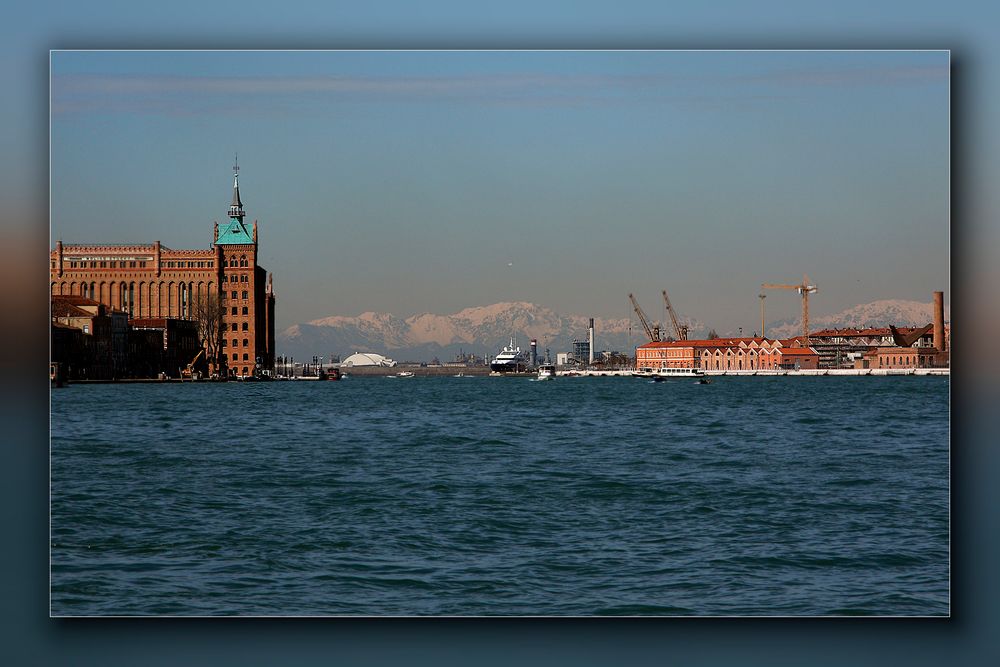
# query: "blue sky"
{"type": "Point", "coordinates": [410, 181]}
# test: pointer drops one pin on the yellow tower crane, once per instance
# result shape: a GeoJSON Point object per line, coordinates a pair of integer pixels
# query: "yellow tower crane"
{"type": "Point", "coordinates": [805, 289]}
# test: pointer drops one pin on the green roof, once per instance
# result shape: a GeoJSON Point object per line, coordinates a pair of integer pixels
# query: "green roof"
{"type": "Point", "coordinates": [234, 233]}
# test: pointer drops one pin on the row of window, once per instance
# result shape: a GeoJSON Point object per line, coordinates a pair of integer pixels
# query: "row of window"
{"type": "Point", "coordinates": [236, 326]}
{"type": "Point", "coordinates": [246, 311]}
{"type": "Point", "coordinates": [236, 342]}
{"type": "Point", "coordinates": [104, 265]}
{"type": "Point", "coordinates": [245, 358]}
{"type": "Point", "coordinates": [141, 264]}
{"type": "Point", "coordinates": [232, 261]}
{"type": "Point", "coordinates": [191, 265]}
{"type": "Point", "coordinates": [246, 294]}
{"type": "Point", "coordinates": [243, 278]}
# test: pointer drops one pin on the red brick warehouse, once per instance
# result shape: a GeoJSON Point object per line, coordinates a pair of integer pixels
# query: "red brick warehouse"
{"type": "Point", "coordinates": [153, 281]}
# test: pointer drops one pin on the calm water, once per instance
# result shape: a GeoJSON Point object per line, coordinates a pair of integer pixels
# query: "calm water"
{"type": "Point", "coordinates": [486, 496]}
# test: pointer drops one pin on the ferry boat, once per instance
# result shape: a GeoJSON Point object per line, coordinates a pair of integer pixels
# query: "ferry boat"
{"type": "Point", "coordinates": [660, 374]}
{"type": "Point", "coordinates": [510, 360]}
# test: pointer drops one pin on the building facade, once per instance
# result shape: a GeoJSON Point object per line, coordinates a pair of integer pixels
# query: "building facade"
{"type": "Point", "coordinates": [726, 354]}
{"type": "Point", "coordinates": [222, 287]}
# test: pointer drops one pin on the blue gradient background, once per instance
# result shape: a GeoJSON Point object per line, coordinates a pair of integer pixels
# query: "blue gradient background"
{"type": "Point", "coordinates": [969, 638]}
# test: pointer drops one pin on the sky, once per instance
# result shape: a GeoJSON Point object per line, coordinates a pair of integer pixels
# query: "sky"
{"type": "Point", "coordinates": [431, 181]}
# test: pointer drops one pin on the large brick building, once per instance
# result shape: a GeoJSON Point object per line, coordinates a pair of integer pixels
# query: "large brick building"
{"type": "Point", "coordinates": [152, 281]}
{"type": "Point", "coordinates": [726, 354]}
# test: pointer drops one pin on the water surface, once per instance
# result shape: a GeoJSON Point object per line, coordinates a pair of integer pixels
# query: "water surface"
{"type": "Point", "coordinates": [487, 496]}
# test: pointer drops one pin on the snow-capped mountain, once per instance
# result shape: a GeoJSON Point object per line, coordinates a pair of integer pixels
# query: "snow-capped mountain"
{"type": "Point", "coordinates": [480, 330]}
{"type": "Point", "coordinates": [483, 330]}
{"type": "Point", "coordinates": [875, 314]}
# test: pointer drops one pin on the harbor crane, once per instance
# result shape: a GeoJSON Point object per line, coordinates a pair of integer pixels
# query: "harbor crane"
{"type": "Point", "coordinates": [652, 331]}
{"type": "Point", "coordinates": [805, 289]}
{"type": "Point", "coordinates": [680, 330]}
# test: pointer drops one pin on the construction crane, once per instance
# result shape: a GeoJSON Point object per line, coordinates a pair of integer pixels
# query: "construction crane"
{"type": "Point", "coordinates": [652, 331]}
{"type": "Point", "coordinates": [680, 330]}
{"type": "Point", "coordinates": [805, 289]}
{"type": "Point", "coordinates": [189, 371]}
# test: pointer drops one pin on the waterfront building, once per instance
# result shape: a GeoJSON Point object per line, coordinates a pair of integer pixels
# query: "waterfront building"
{"type": "Point", "coordinates": [902, 357]}
{"type": "Point", "coordinates": [843, 347]}
{"type": "Point", "coordinates": [735, 354]}
{"type": "Point", "coordinates": [222, 286]}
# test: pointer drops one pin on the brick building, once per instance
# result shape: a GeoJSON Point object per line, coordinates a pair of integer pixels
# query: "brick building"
{"type": "Point", "coordinates": [735, 354]}
{"type": "Point", "coordinates": [151, 281]}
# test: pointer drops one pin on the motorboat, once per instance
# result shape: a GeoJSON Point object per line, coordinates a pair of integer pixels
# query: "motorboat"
{"type": "Point", "coordinates": [546, 372]}
{"type": "Point", "coordinates": [404, 374]}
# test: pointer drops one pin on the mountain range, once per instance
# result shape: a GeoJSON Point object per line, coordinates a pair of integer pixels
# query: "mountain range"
{"type": "Point", "coordinates": [483, 330]}
{"type": "Point", "coordinates": [875, 314]}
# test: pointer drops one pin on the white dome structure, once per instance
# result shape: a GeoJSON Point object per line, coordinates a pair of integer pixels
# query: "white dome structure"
{"type": "Point", "coordinates": [367, 359]}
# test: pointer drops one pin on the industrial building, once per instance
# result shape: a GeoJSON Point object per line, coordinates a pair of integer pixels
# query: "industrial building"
{"type": "Point", "coordinates": [222, 284]}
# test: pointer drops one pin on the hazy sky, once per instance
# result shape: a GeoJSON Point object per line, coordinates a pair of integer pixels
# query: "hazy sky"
{"type": "Point", "coordinates": [433, 181]}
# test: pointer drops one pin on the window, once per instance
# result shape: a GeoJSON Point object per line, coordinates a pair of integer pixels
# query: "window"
{"type": "Point", "coordinates": [246, 342]}
{"type": "Point", "coordinates": [244, 279]}
{"type": "Point", "coordinates": [245, 311]}
{"type": "Point", "coordinates": [234, 327]}
{"type": "Point", "coordinates": [93, 265]}
{"type": "Point", "coordinates": [131, 265]}
{"type": "Point", "coordinates": [234, 294]}
{"type": "Point", "coordinates": [244, 368]}
{"type": "Point", "coordinates": [236, 343]}
{"type": "Point", "coordinates": [244, 326]}
{"type": "Point", "coordinates": [245, 293]}
{"type": "Point", "coordinates": [235, 356]}
{"type": "Point", "coordinates": [245, 357]}
{"type": "Point", "coordinates": [72, 265]}
{"type": "Point", "coordinates": [234, 310]}
{"type": "Point", "coordinates": [53, 264]}
{"type": "Point", "coordinates": [223, 342]}
{"type": "Point", "coordinates": [104, 265]}
{"type": "Point", "coordinates": [142, 265]}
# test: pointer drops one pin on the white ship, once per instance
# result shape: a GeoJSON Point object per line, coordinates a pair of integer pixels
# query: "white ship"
{"type": "Point", "coordinates": [510, 360]}
{"type": "Point", "coordinates": [546, 372]}
{"type": "Point", "coordinates": [660, 374]}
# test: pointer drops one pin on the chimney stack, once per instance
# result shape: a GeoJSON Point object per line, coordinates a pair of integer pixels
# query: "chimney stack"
{"type": "Point", "coordinates": [590, 339]}
{"type": "Point", "coordinates": [939, 321]}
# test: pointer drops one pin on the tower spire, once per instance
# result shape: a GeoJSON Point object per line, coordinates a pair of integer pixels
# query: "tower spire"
{"type": "Point", "coordinates": [236, 208]}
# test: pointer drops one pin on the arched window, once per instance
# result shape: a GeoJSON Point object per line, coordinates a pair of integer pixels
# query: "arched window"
{"type": "Point", "coordinates": [243, 260]}
{"type": "Point", "coordinates": [245, 326]}
{"type": "Point", "coordinates": [245, 311]}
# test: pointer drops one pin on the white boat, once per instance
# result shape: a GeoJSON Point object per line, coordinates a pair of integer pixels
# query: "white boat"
{"type": "Point", "coordinates": [546, 372]}
{"type": "Point", "coordinates": [404, 374]}
{"type": "Point", "coordinates": [660, 374]}
{"type": "Point", "coordinates": [510, 360]}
